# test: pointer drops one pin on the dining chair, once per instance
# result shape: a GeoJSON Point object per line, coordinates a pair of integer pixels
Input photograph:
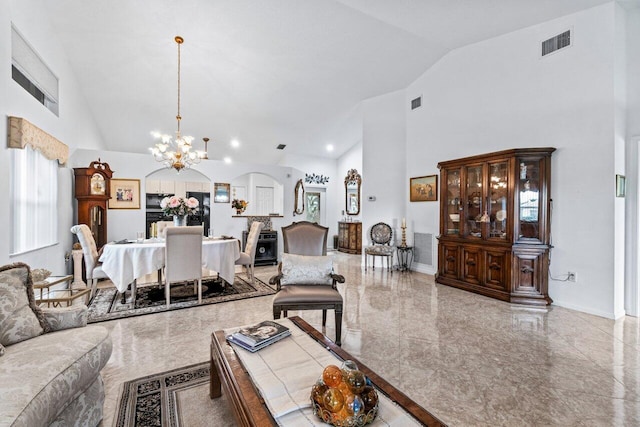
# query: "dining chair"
{"type": "Point", "coordinates": [92, 266]}
{"type": "Point", "coordinates": [183, 258]}
{"type": "Point", "coordinates": [381, 235]}
{"type": "Point", "coordinates": [161, 227]}
{"type": "Point", "coordinates": [305, 279]}
{"type": "Point", "coordinates": [248, 256]}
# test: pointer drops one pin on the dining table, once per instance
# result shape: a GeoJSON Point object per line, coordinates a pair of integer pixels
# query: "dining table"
{"type": "Point", "coordinates": [126, 260]}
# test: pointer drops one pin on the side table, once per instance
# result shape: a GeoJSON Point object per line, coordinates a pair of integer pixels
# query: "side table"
{"type": "Point", "coordinates": [405, 257]}
{"type": "Point", "coordinates": [56, 297]}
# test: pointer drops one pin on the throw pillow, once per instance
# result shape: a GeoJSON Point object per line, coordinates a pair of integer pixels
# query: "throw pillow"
{"type": "Point", "coordinates": [306, 270]}
{"type": "Point", "coordinates": [20, 317]}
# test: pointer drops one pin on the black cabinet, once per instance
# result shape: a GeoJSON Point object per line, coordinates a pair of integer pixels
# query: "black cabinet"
{"type": "Point", "coordinates": [267, 249]}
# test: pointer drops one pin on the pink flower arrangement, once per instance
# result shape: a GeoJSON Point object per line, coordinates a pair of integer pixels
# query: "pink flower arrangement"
{"type": "Point", "coordinates": [175, 205]}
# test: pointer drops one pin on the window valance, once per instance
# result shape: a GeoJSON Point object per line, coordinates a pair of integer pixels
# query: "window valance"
{"type": "Point", "coordinates": [22, 132]}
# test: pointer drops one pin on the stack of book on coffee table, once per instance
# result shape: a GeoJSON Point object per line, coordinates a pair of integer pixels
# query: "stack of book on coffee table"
{"type": "Point", "coordinates": [258, 336]}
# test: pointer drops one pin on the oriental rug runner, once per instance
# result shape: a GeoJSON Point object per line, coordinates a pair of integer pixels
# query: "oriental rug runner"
{"type": "Point", "coordinates": [179, 397]}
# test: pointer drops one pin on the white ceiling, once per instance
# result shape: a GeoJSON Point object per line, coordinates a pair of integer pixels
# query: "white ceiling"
{"type": "Point", "coordinates": [265, 72]}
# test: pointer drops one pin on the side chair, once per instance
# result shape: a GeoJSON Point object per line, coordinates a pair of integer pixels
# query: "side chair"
{"type": "Point", "coordinates": [305, 279]}
{"type": "Point", "coordinates": [381, 235]}
{"type": "Point", "coordinates": [248, 257]}
{"type": "Point", "coordinates": [90, 254]}
{"type": "Point", "coordinates": [183, 258]}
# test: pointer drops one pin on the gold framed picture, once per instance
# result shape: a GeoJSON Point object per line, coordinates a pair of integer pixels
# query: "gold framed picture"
{"type": "Point", "coordinates": [221, 192]}
{"type": "Point", "coordinates": [125, 194]}
{"type": "Point", "coordinates": [423, 188]}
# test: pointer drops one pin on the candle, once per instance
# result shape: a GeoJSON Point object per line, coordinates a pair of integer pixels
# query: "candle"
{"type": "Point", "coordinates": [404, 223]}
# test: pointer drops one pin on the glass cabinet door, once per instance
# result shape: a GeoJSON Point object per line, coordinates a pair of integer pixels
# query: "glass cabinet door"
{"type": "Point", "coordinates": [529, 199]}
{"type": "Point", "coordinates": [497, 199]}
{"type": "Point", "coordinates": [475, 204]}
{"type": "Point", "coordinates": [453, 202]}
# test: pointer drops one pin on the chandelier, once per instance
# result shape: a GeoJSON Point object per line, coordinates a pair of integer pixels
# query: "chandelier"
{"type": "Point", "coordinates": [177, 153]}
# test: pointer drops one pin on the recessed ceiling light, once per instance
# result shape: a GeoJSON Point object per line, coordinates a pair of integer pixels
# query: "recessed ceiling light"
{"type": "Point", "coordinates": [227, 160]}
{"type": "Point", "coordinates": [329, 147]}
{"type": "Point", "coordinates": [235, 143]}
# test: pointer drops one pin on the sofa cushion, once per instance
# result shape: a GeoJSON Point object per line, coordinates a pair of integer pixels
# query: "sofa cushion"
{"type": "Point", "coordinates": [20, 318]}
{"type": "Point", "coordinates": [41, 376]}
{"type": "Point", "coordinates": [306, 270]}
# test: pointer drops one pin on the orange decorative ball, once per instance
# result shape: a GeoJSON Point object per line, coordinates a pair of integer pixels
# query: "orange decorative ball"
{"type": "Point", "coordinates": [333, 400]}
{"type": "Point", "coordinates": [332, 376]}
{"type": "Point", "coordinates": [318, 391]}
{"type": "Point", "coordinates": [356, 381]}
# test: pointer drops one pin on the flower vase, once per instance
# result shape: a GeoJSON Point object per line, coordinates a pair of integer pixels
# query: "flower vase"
{"type": "Point", "coordinates": [239, 211]}
{"type": "Point", "coordinates": [180, 220]}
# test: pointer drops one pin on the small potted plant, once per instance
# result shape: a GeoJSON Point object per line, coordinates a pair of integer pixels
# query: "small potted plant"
{"type": "Point", "coordinates": [239, 205]}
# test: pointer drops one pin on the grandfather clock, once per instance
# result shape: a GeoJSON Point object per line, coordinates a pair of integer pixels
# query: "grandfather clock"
{"type": "Point", "coordinates": [92, 193]}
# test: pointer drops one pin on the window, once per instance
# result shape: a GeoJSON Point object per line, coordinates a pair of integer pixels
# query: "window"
{"type": "Point", "coordinates": [32, 73]}
{"type": "Point", "coordinates": [34, 198]}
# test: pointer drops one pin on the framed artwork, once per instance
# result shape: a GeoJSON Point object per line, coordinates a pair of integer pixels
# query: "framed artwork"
{"type": "Point", "coordinates": [125, 194]}
{"type": "Point", "coordinates": [221, 192]}
{"type": "Point", "coordinates": [621, 186]}
{"type": "Point", "coordinates": [423, 188]}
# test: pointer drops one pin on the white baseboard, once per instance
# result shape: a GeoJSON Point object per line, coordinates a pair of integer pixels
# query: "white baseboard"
{"type": "Point", "coordinates": [605, 314]}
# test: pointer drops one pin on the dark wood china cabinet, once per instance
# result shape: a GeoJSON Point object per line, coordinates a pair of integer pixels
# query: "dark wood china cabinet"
{"type": "Point", "coordinates": [92, 190]}
{"type": "Point", "coordinates": [495, 224]}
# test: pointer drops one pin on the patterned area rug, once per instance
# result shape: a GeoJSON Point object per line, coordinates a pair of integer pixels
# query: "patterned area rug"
{"type": "Point", "coordinates": [107, 304]}
{"type": "Point", "coordinates": [175, 398]}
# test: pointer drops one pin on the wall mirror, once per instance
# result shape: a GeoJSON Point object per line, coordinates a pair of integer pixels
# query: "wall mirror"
{"type": "Point", "coordinates": [352, 184]}
{"type": "Point", "coordinates": [264, 194]}
{"type": "Point", "coordinates": [298, 207]}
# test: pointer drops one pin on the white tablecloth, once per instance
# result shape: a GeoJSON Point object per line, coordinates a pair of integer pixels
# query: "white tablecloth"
{"type": "Point", "coordinates": [125, 262]}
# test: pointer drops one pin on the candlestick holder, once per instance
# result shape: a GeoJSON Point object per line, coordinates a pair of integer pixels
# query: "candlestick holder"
{"type": "Point", "coordinates": [404, 236]}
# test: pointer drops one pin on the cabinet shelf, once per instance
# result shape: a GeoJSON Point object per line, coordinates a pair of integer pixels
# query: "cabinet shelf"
{"type": "Point", "coordinates": [497, 242]}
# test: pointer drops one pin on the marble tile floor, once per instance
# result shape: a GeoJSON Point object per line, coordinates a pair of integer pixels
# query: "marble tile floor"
{"type": "Point", "coordinates": [470, 360]}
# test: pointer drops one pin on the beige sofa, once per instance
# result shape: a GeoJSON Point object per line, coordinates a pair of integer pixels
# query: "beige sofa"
{"type": "Point", "coordinates": [54, 378]}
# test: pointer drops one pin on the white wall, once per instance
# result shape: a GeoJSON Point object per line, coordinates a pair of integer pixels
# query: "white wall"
{"type": "Point", "coordinates": [319, 166]}
{"type": "Point", "coordinates": [499, 94]}
{"type": "Point", "coordinates": [383, 160]}
{"type": "Point", "coordinates": [74, 126]}
{"type": "Point", "coordinates": [632, 235]}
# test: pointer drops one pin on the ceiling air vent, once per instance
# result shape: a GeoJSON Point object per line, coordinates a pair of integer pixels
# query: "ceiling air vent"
{"type": "Point", "coordinates": [415, 103]}
{"type": "Point", "coordinates": [556, 43]}
{"type": "Point", "coordinates": [281, 146]}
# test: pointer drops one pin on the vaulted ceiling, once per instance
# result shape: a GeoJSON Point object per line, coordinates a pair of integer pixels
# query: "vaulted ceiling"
{"type": "Point", "coordinates": [265, 72]}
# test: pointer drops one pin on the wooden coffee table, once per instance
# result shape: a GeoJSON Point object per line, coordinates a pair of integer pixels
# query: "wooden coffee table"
{"type": "Point", "coordinates": [249, 407]}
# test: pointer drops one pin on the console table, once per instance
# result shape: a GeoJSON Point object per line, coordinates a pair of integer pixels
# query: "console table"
{"type": "Point", "coordinates": [350, 237]}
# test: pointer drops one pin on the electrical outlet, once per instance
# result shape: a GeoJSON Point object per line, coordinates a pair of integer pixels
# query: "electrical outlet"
{"type": "Point", "coordinates": [572, 276]}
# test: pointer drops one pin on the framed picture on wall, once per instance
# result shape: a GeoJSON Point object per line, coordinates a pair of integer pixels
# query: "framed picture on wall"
{"type": "Point", "coordinates": [423, 188]}
{"type": "Point", "coordinates": [125, 194]}
{"type": "Point", "coordinates": [221, 192]}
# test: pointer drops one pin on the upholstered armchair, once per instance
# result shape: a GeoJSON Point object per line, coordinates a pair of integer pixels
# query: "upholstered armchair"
{"type": "Point", "coordinates": [305, 279]}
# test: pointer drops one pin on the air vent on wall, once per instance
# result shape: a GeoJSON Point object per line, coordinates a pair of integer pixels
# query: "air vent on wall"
{"type": "Point", "coordinates": [415, 103]}
{"type": "Point", "coordinates": [423, 244]}
{"type": "Point", "coordinates": [556, 43]}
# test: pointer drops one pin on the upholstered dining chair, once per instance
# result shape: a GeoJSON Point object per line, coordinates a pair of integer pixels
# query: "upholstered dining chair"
{"type": "Point", "coordinates": [381, 235]}
{"type": "Point", "coordinates": [161, 227]}
{"type": "Point", "coordinates": [305, 279]}
{"type": "Point", "coordinates": [90, 254]}
{"type": "Point", "coordinates": [248, 257]}
{"type": "Point", "coordinates": [183, 258]}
